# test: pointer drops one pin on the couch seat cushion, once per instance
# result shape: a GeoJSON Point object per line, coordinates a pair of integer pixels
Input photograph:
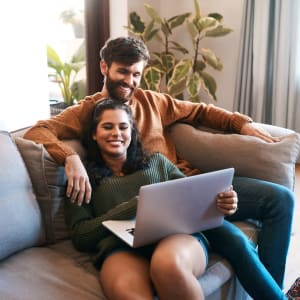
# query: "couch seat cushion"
{"type": "Point", "coordinates": [42, 273]}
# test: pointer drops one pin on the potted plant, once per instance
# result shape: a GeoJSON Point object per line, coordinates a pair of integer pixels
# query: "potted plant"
{"type": "Point", "coordinates": [175, 70]}
{"type": "Point", "coordinates": [76, 19]}
{"type": "Point", "coordinates": [64, 74]}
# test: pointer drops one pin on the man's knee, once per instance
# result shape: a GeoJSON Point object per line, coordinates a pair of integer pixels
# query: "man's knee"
{"type": "Point", "coordinates": [281, 200]}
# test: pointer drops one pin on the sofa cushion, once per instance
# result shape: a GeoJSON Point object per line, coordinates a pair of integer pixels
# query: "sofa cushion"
{"type": "Point", "coordinates": [49, 183]}
{"type": "Point", "coordinates": [43, 273]}
{"type": "Point", "coordinates": [250, 156]}
{"type": "Point", "coordinates": [21, 223]}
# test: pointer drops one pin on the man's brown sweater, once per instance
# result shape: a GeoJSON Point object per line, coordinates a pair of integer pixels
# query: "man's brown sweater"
{"type": "Point", "coordinates": [153, 113]}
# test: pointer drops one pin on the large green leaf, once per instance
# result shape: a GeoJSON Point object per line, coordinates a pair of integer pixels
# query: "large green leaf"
{"type": "Point", "coordinates": [181, 70]}
{"type": "Point", "coordinates": [65, 72]}
{"type": "Point", "coordinates": [207, 22]}
{"type": "Point", "coordinates": [197, 9]}
{"type": "Point", "coordinates": [216, 16]}
{"type": "Point", "coordinates": [166, 29]}
{"type": "Point", "coordinates": [220, 30]}
{"type": "Point", "coordinates": [77, 66]}
{"type": "Point", "coordinates": [192, 30]}
{"type": "Point", "coordinates": [176, 88]}
{"type": "Point", "coordinates": [210, 84]}
{"type": "Point", "coordinates": [177, 82]}
{"type": "Point", "coordinates": [200, 65]}
{"type": "Point", "coordinates": [78, 89]}
{"type": "Point", "coordinates": [193, 85]}
{"type": "Point", "coordinates": [178, 20]}
{"type": "Point", "coordinates": [210, 58]}
{"type": "Point", "coordinates": [178, 47]}
{"type": "Point", "coordinates": [168, 62]}
{"type": "Point", "coordinates": [152, 78]}
{"type": "Point", "coordinates": [204, 23]}
{"type": "Point", "coordinates": [152, 13]}
{"type": "Point", "coordinates": [150, 31]}
{"type": "Point", "coordinates": [79, 55]}
{"type": "Point", "coordinates": [137, 25]}
{"type": "Point", "coordinates": [53, 59]}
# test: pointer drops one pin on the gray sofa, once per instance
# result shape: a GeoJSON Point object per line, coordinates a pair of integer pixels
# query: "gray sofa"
{"type": "Point", "coordinates": [37, 259]}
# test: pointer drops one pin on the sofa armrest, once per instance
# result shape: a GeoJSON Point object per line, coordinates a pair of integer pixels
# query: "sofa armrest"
{"type": "Point", "coordinates": [250, 156]}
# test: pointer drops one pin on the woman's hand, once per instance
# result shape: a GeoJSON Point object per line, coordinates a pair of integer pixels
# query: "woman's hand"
{"type": "Point", "coordinates": [227, 202]}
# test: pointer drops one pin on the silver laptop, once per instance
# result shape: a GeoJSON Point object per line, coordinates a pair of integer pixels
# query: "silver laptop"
{"type": "Point", "coordinates": [185, 205]}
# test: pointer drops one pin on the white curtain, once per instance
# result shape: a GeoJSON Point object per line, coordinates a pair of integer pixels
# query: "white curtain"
{"type": "Point", "coordinates": [268, 79]}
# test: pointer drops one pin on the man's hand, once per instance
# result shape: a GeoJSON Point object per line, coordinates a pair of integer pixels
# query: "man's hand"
{"type": "Point", "coordinates": [227, 202]}
{"type": "Point", "coordinates": [78, 188]}
{"type": "Point", "coordinates": [250, 129]}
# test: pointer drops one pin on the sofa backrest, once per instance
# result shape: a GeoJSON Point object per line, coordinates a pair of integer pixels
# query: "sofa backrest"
{"type": "Point", "coordinates": [250, 156]}
{"type": "Point", "coordinates": [21, 224]}
{"type": "Point", "coordinates": [206, 150]}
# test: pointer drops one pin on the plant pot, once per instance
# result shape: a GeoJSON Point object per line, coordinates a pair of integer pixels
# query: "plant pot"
{"type": "Point", "coordinates": [57, 107]}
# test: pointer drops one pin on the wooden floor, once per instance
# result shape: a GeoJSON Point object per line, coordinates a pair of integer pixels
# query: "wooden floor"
{"type": "Point", "coordinates": [293, 261]}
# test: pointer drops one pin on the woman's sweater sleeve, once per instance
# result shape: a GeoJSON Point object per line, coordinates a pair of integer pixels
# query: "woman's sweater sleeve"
{"type": "Point", "coordinates": [87, 230]}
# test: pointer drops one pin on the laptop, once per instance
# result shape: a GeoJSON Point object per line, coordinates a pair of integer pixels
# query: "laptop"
{"type": "Point", "coordinates": [185, 205]}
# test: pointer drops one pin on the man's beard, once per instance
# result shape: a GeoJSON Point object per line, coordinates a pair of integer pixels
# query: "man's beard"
{"type": "Point", "coordinates": [112, 87]}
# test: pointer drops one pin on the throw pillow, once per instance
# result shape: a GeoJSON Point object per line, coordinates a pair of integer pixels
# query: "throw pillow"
{"type": "Point", "coordinates": [250, 156]}
{"type": "Point", "coordinates": [21, 224]}
{"type": "Point", "coordinates": [49, 183]}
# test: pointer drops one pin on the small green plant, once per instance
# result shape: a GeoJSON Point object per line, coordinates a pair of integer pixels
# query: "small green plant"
{"type": "Point", "coordinates": [65, 72]}
{"type": "Point", "coordinates": [174, 70]}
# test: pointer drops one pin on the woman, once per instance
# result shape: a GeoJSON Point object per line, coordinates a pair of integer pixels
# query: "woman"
{"type": "Point", "coordinates": [117, 168]}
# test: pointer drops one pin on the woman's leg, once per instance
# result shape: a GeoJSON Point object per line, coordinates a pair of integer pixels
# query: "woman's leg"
{"type": "Point", "coordinates": [176, 263]}
{"type": "Point", "coordinates": [125, 275]}
{"type": "Point", "coordinates": [272, 205]}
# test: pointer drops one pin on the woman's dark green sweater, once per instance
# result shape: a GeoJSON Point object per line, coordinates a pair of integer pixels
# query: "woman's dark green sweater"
{"type": "Point", "coordinates": [114, 198]}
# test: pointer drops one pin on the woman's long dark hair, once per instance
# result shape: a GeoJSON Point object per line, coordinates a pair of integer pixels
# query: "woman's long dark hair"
{"type": "Point", "coordinates": [137, 158]}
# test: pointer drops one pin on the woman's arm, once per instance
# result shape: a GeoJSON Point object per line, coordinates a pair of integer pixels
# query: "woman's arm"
{"type": "Point", "coordinates": [87, 230]}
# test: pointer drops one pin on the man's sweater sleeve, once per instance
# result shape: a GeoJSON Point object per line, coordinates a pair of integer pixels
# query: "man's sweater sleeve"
{"type": "Point", "coordinates": [69, 124]}
{"type": "Point", "coordinates": [87, 230]}
{"type": "Point", "coordinates": [173, 110]}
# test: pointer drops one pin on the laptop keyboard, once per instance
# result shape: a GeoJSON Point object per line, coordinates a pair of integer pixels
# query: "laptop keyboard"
{"type": "Point", "coordinates": [130, 230]}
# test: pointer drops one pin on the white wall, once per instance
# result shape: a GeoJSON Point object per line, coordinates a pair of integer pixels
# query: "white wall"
{"type": "Point", "coordinates": [227, 48]}
{"type": "Point", "coordinates": [118, 16]}
{"type": "Point", "coordinates": [23, 73]}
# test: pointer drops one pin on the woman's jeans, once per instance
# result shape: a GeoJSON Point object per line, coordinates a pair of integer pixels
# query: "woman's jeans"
{"type": "Point", "coordinates": [260, 272]}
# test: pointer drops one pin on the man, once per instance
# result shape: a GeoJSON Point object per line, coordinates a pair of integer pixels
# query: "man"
{"type": "Point", "coordinates": [122, 64]}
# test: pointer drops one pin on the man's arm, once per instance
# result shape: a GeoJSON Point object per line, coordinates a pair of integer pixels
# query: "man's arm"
{"type": "Point", "coordinates": [78, 186]}
{"type": "Point", "coordinates": [250, 129]}
{"type": "Point", "coordinates": [67, 125]}
{"type": "Point", "coordinates": [171, 110]}
{"type": "Point", "coordinates": [219, 118]}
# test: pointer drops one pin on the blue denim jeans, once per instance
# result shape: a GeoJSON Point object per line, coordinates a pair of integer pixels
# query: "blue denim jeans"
{"type": "Point", "coordinates": [260, 272]}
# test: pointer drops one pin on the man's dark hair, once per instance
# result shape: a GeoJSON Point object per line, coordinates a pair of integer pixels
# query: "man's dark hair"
{"type": "Point", "coordinates": [125, 50]}
{"type": "Point", "coordinates": [137, 158]}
